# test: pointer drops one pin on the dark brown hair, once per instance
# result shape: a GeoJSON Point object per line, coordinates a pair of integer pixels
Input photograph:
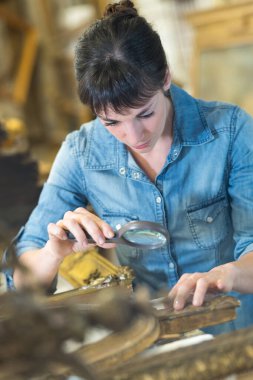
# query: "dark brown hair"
{"type": "Point", "coordinates": [119, 61]}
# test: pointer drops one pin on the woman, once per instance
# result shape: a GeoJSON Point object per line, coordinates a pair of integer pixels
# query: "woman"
{"type": "Point", "coordinates": [152, 153]}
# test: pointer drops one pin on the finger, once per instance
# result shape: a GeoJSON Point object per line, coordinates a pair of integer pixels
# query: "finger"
{"type": "Point", "coordinates": [183, 292]}
{"type": "Point", "coordinates": [200, 291]}
{"type": "Point", "coordinates": [185, 289]}
{"type": "Point", "coordinates": [107, 245]}
{"type": "Point", "coordinates": [174, 290]}
{"type": "Point", "coordinates": [76, 230]}
{"type": "Point", "coordinates": [55, 231]}
{"type": "Point", "coordinates": [104, 227]}
{"type": "Point", "coordinates": [179, 303]}
{"type": "Point", "coordinates": [82, 210]}
{"type": "Point", "coordinates": [86, 216]}
{"type": "Point", "coordinates": [92, 227]}
{"type": "Point", "coordinates": [221, 285]}
{"type": "Point", "coordinates": [90, 223]}
{"type": "Point", "coordinates": [224, 278]}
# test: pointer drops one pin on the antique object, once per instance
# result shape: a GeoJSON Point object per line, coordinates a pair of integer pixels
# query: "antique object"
{"type": "Point", "coordinates": [82, 269]}
{"type": "Point", "coordinates": [34, 334]}
{"type": "Point", "coordinates": [215, 310]}
{"type": "Point", "coordinates": [226, 354]}
{"type": "Point", "coordinates": [35, 329]}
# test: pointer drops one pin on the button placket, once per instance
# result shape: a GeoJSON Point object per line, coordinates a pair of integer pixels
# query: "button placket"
{"type": "Point", "coordinates": [158, 200]}
{"type": "Point", "coordinates": [175, 153]}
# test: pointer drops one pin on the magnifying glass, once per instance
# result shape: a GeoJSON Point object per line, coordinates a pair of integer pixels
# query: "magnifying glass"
{"type": "Point", "coordinates": [140, 234]}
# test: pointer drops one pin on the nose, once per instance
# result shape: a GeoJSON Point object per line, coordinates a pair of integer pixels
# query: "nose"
{"type": "Point", "coordinates": [134, 132]}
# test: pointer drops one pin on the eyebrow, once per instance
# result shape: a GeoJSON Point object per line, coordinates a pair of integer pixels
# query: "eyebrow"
{"type": "Point", "coordinates": [139, 114]}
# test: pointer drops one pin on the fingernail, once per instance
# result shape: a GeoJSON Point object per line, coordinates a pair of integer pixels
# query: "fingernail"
{"type": "Point", "coordinates": [196, 302]}
{"type": "Point", "coordinates": [177, 304]}
{"type": "Point", "coordinates": [57, 231]}
{"type": "Point", "coordinates": [109, 234]}
{"type": "Point", "coordinates": [101, 241]}
{"type": "Point", "coordinates": [60, 234]}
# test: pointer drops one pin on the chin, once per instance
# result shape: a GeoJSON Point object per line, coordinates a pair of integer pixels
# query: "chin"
{"type": "Point", "coordinates": [144, 150]}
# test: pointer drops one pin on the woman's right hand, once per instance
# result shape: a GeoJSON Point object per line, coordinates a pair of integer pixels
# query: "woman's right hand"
{"type": "Point", "coordinates": [78, 223]}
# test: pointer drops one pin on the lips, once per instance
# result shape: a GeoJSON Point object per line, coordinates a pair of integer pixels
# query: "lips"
{"type": "Point", "coordinates": [141, 146]}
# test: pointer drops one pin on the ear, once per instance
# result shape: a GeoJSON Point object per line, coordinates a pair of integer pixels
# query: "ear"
{"type": "Point", "coordinates": [167, 80]}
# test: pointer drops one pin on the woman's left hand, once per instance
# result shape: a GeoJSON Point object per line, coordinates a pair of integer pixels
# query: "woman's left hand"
{"type": "Point", "coordinates": [220, 278]}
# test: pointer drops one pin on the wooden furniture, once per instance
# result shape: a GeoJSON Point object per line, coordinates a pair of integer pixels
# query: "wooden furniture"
{"type": "Point", "coordinates": [26, 61]}
{"type": "Point", "coordinates": [223, 49]}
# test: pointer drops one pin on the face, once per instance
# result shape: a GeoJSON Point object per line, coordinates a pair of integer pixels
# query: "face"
{"type": "Point", "coordinates": [140, 129]}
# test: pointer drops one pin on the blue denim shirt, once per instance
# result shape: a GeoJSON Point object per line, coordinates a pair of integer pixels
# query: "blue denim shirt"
{"type": "Point", "coordinates": [203, 194]}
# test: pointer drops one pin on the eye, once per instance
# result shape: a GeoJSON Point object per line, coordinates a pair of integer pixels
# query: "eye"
{"type": "Point", "coordinates": [146, 116]}
{"type": "Point", "coordinates": [111, 123]}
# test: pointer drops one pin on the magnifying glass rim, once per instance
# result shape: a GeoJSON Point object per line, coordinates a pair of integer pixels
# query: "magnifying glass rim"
{"type": "Point", "coordinates": [143, 225]}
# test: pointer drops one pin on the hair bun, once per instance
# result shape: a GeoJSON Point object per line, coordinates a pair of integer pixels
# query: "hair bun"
{"type": "Point", "coordinates": [125, 7]}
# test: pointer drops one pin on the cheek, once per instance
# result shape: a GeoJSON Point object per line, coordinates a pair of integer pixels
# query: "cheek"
{"type": "Point", "coordinates": [154, 124]}
{"type": "Point", "coordinates": [116, 132]}
{"type": "Point", "coordinates": [160, 122]}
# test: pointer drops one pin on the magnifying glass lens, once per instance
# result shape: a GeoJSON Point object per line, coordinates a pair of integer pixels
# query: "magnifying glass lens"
{"type": "Point", "coordinates": [145, 237]}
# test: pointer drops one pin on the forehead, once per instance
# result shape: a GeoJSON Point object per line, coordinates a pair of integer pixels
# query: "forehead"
{"type": "Point", "coordinates": [110, 113]}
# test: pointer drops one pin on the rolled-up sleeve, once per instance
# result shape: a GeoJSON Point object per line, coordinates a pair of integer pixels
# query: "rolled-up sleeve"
{"type": "Point", "coordinates": [63, 191]}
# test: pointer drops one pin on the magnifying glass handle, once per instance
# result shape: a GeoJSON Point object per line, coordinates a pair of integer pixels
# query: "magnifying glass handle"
{"type": "Point", "coordinates": [90, 240]}
{"type": "Point", "coordinates": [115, 240]}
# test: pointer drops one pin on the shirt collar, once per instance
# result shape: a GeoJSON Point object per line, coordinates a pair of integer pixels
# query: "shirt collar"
{"type": "Point", "coordinates": [190, 124]}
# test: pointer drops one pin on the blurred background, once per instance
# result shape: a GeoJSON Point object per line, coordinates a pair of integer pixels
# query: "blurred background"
{"type": "Point", "coordinates": [209, 45]}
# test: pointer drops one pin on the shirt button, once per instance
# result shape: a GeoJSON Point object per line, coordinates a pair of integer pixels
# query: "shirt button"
{"type": "Point", "coordinates": [118, 226]}
{"type": "Point", "coordinates": [136, 175]}
{"type": "Point", "coordinates": [122, 171]}
{"type": "Point", "coordinates": [209, 219]}
{"type": "Point", "coordinates": [158, 199]}
{"type": "Point", "coordinates": [175, 154]}
{"type": "Point", "coordinates": [171, 265]}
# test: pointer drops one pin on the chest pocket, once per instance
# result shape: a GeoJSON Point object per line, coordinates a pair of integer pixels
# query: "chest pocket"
{"type": "Point", "coordinates": [209, 222]}
{"type": "Point", "coordinates": [116, 221]}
